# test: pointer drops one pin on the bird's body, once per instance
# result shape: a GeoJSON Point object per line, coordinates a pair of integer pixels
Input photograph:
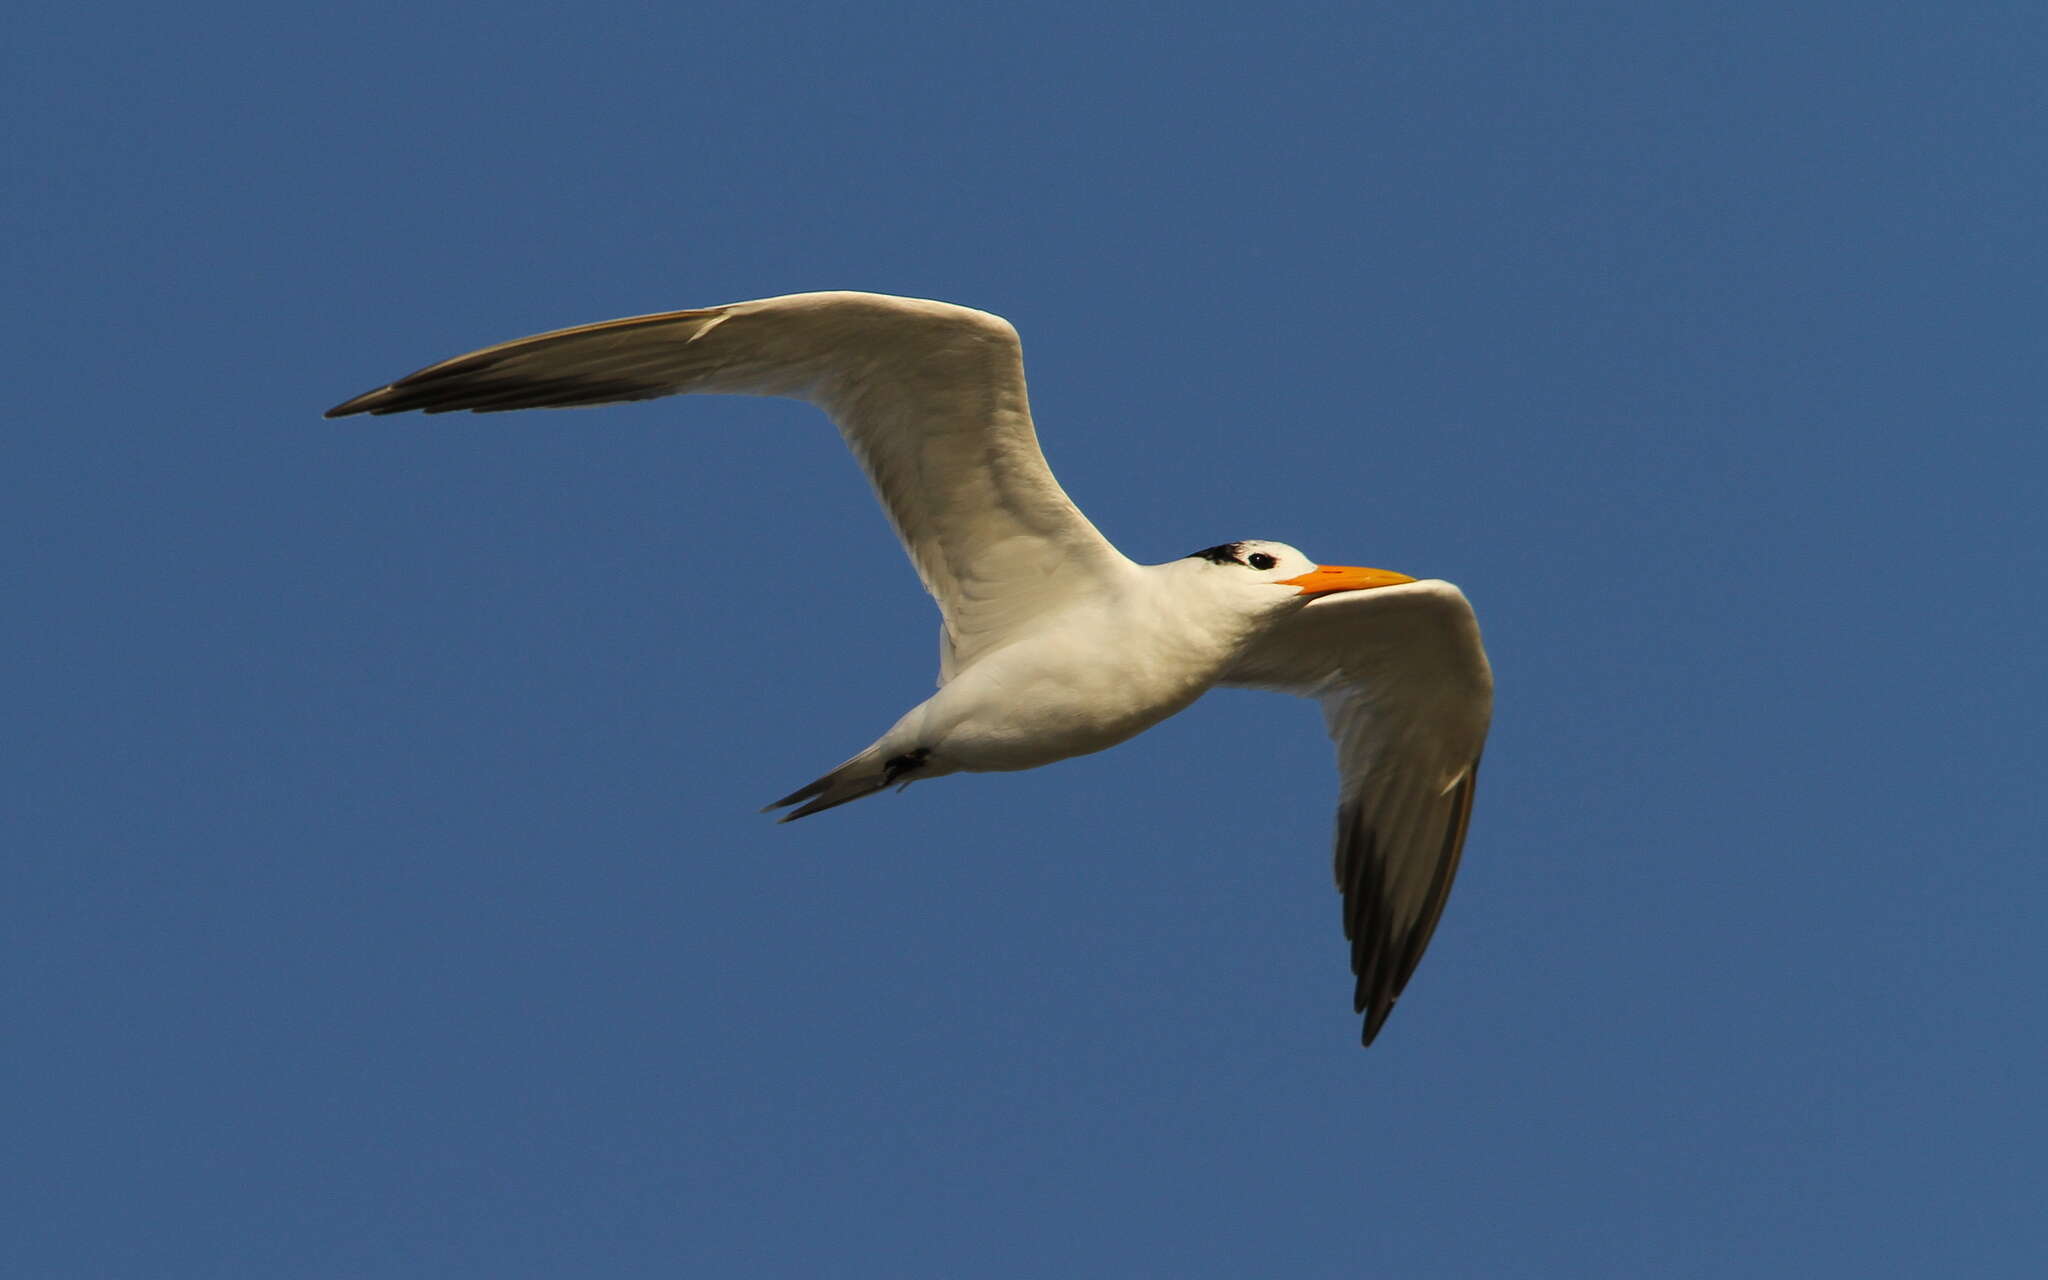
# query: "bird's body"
{"type": "Point", "coordinates": [1054, 644]}
{"type": "Point", "coordinates": [1095, 673]}
{"type": "Point", "coordinates": [1089, 677]}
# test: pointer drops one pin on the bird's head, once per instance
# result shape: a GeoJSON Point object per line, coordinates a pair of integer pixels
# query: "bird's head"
{"type": "Point", "coordinates": [1273, 575]}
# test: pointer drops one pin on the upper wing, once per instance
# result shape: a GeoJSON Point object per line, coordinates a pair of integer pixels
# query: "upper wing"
{"type": "Point", "coordinates": [929, 396]}
{"type": "Point", "coordinates": [1407, 694]}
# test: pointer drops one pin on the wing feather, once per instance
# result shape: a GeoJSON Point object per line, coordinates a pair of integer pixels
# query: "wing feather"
{"type": "Point", "coordinates": [929, 396]}
{"type": "Point", "coordinates": [1407, 695]}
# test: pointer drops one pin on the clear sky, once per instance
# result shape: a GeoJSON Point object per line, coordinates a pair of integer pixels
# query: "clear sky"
{"type": "Point", "coordinates": [384, 891]}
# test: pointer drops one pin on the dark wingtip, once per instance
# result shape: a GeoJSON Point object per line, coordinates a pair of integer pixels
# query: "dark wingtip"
{"type": "Point", "coordinates": [358, 404]}
{"type": "Point", "coordinates": [1374, 1023]}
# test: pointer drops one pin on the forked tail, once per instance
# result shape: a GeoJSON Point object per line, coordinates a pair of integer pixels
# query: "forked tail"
{"type": "Point", "coordinates": [863, 775]}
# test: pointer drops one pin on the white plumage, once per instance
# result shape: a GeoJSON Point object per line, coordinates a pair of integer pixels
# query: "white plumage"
{"type": "Point", "coordinates": [1054, 644]}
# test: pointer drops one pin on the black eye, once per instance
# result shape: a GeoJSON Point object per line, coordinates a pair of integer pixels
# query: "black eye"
{"type": "Point", "coordinates": [1260, 560]}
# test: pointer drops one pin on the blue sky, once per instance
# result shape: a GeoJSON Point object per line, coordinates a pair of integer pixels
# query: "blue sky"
{"type": "Point", "coordinates": [386, 896]}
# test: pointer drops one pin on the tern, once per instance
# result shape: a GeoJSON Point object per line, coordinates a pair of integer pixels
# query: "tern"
{"type": "Point", "coordinates": [1053, 643]}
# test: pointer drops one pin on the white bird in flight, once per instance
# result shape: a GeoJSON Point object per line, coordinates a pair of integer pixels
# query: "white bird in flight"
{"type": "Point", "coordinates": [1054, 644]}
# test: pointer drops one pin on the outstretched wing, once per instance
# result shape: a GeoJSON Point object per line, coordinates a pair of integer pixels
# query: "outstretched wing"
{"type": "Point", "coordinates": [929, 396]}
{"type": "Point", "coordinates": [1407, 694]}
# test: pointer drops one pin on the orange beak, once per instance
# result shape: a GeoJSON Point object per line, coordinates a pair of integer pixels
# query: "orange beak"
{"type": "Point", "coordinates": [1344, 577]}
